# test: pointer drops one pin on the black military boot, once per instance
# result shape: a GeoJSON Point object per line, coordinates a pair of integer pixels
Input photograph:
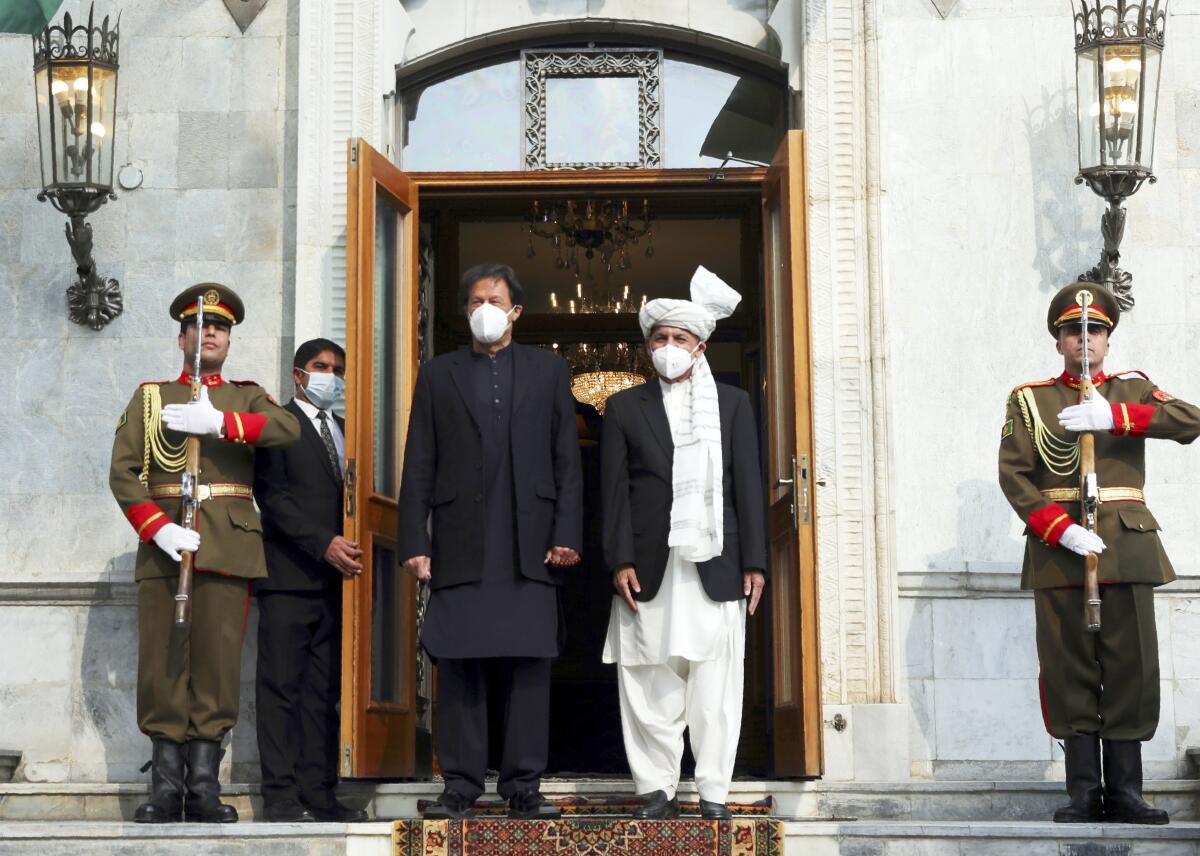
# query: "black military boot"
{"type": "Point", "coordinates": [166, 785]}
{"type": "Point", "coordinates": [1083, 781]}
{"type": "Point", "coordinates": [1123, 801]}
{"type": "Point", "coordinates": [203, 790]}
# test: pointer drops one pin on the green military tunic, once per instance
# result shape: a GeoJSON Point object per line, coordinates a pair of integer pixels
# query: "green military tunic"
{"type": "Point", "coordinates": [1104, 682]}
{"type": "Point", "coordinates": [188, 688]}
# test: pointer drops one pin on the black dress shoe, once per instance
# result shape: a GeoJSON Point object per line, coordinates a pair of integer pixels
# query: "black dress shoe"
{"type": "Point", "coordinates": [287, 811]}
{"type": "Point", "coordinates": [715, 811]}
{"type": "Point", "coordinates": [332, 811]}
{"type": "Point", "coordinates": [450, 806]}
{"type": "Point", "coordinates": [656, 806]}
{"type": "Point", "coordinates": [531, 805]}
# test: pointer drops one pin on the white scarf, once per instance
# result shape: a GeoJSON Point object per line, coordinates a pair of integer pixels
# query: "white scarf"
{"type": "Point", "coordinates": [697, 484]}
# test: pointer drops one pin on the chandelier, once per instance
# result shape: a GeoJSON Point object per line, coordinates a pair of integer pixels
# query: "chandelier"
{"type": "Point", "coordinates": [596, 300]}
{"type": "Point", "coordinates": [598, 372]}
{"type": "Point", "coordinates": [602, 226]}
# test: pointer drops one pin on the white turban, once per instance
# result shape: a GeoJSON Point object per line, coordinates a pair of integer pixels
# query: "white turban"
{"type": "Point", "coordinates": [711, 301]}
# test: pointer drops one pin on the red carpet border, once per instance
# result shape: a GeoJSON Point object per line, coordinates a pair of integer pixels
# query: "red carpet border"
{"type": "Point", "coordinates": [595, 836]}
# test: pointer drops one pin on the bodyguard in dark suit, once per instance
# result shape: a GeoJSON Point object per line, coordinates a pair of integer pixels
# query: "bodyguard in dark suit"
{"type": "Point", "coordinates": [299, 490]}
{"type": "Point", "coordinates": [685, 539]}
{"type": "Point", "coordinates": [490, 512]}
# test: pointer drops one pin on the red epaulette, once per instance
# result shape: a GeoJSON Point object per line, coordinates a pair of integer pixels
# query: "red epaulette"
{"type": "Point", "coordinates": [1020, 387]}
{"type": "Point", "coordinates": [1141, 374]}
{"type": "Point", "coordinates": [154, 382]}
{"type": "Point", "coordinates": [245, 383]}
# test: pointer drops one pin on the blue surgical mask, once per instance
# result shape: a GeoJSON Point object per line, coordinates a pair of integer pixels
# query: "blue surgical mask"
{"type": "Point", "coordinates": [324, 390]}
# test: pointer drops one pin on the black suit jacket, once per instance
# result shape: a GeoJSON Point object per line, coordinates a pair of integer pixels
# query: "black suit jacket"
{"type": "Point", "coordinates": [301, 503]}
{"type": "Point", "coordinates": [443, 467]}
{"type": "Point", "coordinates": [637, 459]}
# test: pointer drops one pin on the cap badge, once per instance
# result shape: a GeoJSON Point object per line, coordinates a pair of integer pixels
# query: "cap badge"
{"type": "Point", "coordinates": [1083, 297]}
{"type": "Point", "coordinates": [211, 297]}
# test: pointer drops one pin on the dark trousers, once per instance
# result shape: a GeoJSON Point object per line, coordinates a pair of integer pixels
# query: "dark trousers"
{"type": "Point", "coordinates": [1102, 683]}
{"type": "Point", "coordinates": [297, 688]}
{"type": "Point", "coordinates": [181, 697]}
{"type": "Point", "coordinates": [510, 693]}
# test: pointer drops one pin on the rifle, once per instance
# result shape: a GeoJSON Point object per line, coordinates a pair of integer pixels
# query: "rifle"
{"type": "Point", "coordinates": [1089, 490]}
{"type": "Point", "coordinates": [189, 490]}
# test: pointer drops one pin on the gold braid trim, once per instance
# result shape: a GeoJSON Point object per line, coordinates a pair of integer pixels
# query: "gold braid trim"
{"type": "Point", "coordinates": [1061, 457]}
{"type": "Point", "coordinates": [171, 457]}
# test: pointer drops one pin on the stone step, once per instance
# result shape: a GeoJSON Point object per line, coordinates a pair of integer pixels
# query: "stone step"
{"type": "Point", "coordinates": [817, 838]}
{"type": "Point", "coordinates": [816, 800]}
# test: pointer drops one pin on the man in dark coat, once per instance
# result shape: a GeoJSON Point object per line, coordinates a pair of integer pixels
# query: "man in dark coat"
{"type": "Point", "coordinates": [492, 462]}
{"type": "Point", "coordinates": [299, 490]}
{"type": "Point", "coordinates": [685, 540]}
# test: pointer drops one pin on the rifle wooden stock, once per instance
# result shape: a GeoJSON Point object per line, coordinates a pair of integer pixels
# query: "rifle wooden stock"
{"type": "Point", "coordinates": [183, 592]}
{"type": "Point", "coordinates": [1091, 567]}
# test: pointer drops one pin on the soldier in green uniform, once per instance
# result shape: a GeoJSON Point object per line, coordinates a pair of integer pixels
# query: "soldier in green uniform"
{"type": "Point", "coordinates": [187, 695]}
{"type": "Point", "coordinates": [1097, 688]}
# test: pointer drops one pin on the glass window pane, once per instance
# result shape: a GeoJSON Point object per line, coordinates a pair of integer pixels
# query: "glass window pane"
{"type": "Point", "coordinates": [1089, 109]}
{"type": "Point", "coordinates": [469, 122]}
{"type": "Point", "coordinates": [592, 120]}
{"type": "Point", "coordinates": [383, 381]}
{"type": "Point", "coordinates": [709, 113]}
{"type": "Point", "coordinates": [387, 626]}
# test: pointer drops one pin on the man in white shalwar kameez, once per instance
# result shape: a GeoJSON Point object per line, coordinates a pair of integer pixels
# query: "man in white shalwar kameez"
{"type": "Point", "coordinates": [685, 538]}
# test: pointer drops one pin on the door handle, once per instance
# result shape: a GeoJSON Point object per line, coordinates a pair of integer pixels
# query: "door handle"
{"type": "Point", "coordinates": [805, 510]}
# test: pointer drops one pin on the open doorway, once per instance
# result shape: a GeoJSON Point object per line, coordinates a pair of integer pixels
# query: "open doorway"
{"type": "Point", "coordinates": [586, 309]}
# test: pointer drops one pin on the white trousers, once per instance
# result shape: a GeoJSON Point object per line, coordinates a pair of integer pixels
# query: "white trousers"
{"type": "Point", "coordinates": [659, 701]}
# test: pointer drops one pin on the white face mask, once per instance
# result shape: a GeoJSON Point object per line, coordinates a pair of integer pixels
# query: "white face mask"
{"type": "Point", "coordinates": [672, 361]}
{"type": "Point", "coordinates": [324, 390]}
{"type": "Point", "coordinates": [489, 323]}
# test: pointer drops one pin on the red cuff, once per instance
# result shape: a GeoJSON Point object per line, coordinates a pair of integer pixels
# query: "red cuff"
{"type": "Point", "coordinates": [1131, 419]}
{"type": "Point", "coordinates": [146, 519]}
{"type": "Point", "coordinates": [1050, 523]}
{"type": "Point", "coordinates": [244, 427]}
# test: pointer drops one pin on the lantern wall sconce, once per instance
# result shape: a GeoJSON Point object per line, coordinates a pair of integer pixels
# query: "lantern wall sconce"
{"type": "Point", "coordinates": [1118, 61]}
{"type": "Point", "coordinates": [75, 75]}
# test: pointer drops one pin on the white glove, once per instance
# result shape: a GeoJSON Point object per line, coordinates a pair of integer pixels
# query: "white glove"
{"type": "Point", "coordinates": [1078, 540]}
{"type": "Point", "coordinates": [195, 417]}
{"type": "Point", "coordinates": [1093, 415]}
{"type": "Point", "coordinates": [173, 539]}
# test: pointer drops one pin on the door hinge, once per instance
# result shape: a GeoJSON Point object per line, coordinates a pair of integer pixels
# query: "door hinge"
{"type": "Point", "coordinates": [348, 487]}
{"type": "Point", "coordinates": [346, 759]}
{"type": "Point", "coordinates": [353, 152]}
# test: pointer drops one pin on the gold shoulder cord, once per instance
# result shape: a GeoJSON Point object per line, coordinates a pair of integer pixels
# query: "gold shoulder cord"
{"type": "Point", "coordinates": [1060, 456]}
{"type": "Point", "coordinates": [172, 457]}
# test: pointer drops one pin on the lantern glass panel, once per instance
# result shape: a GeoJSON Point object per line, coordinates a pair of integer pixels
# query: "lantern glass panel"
{"type": "Point", "coordinates": [83, 111]}
{"type": "Point", "coordinates": [1121, 81]}
{"type": "Point", "coordinates": [1150, 79]}
{"type": "Point", "coordinates": [1086, 63]}
{"type": "Point", "coordinates": [45, 117]}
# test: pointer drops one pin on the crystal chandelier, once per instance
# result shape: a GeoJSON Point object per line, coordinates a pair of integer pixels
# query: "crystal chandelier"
{"type": "Point", "coordinates": [596, 301]}
{"type": "Point", "coordinates": [598, 372]}
{"type": "Point", "coordinates": [603, 226]}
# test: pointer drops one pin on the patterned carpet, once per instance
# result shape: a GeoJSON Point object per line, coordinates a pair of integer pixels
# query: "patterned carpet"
{"type": "Point", "coordinates": [579, 836]}
{"type": "Point", "coordinates": [608, 805]}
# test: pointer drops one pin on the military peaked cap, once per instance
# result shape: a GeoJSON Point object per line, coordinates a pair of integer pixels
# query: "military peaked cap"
{"type": "Point", "coordinates": [220, 301]}
{"type": "Point", "coordinates": [1067, 307]}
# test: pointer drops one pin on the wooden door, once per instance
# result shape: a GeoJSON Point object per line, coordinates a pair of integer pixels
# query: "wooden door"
{"type": "Point", "coordinates": [791, 516]}
{"type": "Point", "coordinates": [378, 714]}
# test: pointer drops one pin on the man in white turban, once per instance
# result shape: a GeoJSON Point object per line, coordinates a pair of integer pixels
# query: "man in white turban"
{"type": "Point", "coordinates": [685, 539]}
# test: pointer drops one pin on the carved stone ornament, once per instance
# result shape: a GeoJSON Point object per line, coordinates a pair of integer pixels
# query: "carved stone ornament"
{"type": "Point", "coordinates": [244, 11]}
{"type": "Point", "coordinates": [944, 7]}
{"type": "Point", "coordinates": [644, 64]}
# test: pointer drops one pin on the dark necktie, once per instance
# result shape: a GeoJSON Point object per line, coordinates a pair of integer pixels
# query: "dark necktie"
{"type": "Point", "coordinates": [330, 448]}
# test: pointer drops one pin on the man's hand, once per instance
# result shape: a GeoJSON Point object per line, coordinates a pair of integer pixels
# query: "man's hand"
{"type": "Point", "coordinates": [752, 586]}
{"type": "Point", "coordinates": [1092, 415]}
{"type": "Point", "coordinates": [344, 555]}
{"type": "Point", "coordinates": [418, 565]}
{"type": "Point", "coordinates": [195, 417]}
{"type": "Point", "coordinates": [1079, 540]}
{"type": "Point", "coordinates": [624, 580]}
{"type": "Point", "coordinates": [561, 557]}
{"type": "Point", "coordinates": [173, 539]}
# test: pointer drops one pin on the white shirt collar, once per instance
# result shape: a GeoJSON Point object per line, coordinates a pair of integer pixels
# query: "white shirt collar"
{"type": "Point", "coordinates": [310, 409]}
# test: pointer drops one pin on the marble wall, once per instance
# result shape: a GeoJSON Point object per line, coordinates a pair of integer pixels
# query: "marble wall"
{"type": "Point", "coordinates": [981, 224]}
{"type": "Point", "coordinates": [208, 113]}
